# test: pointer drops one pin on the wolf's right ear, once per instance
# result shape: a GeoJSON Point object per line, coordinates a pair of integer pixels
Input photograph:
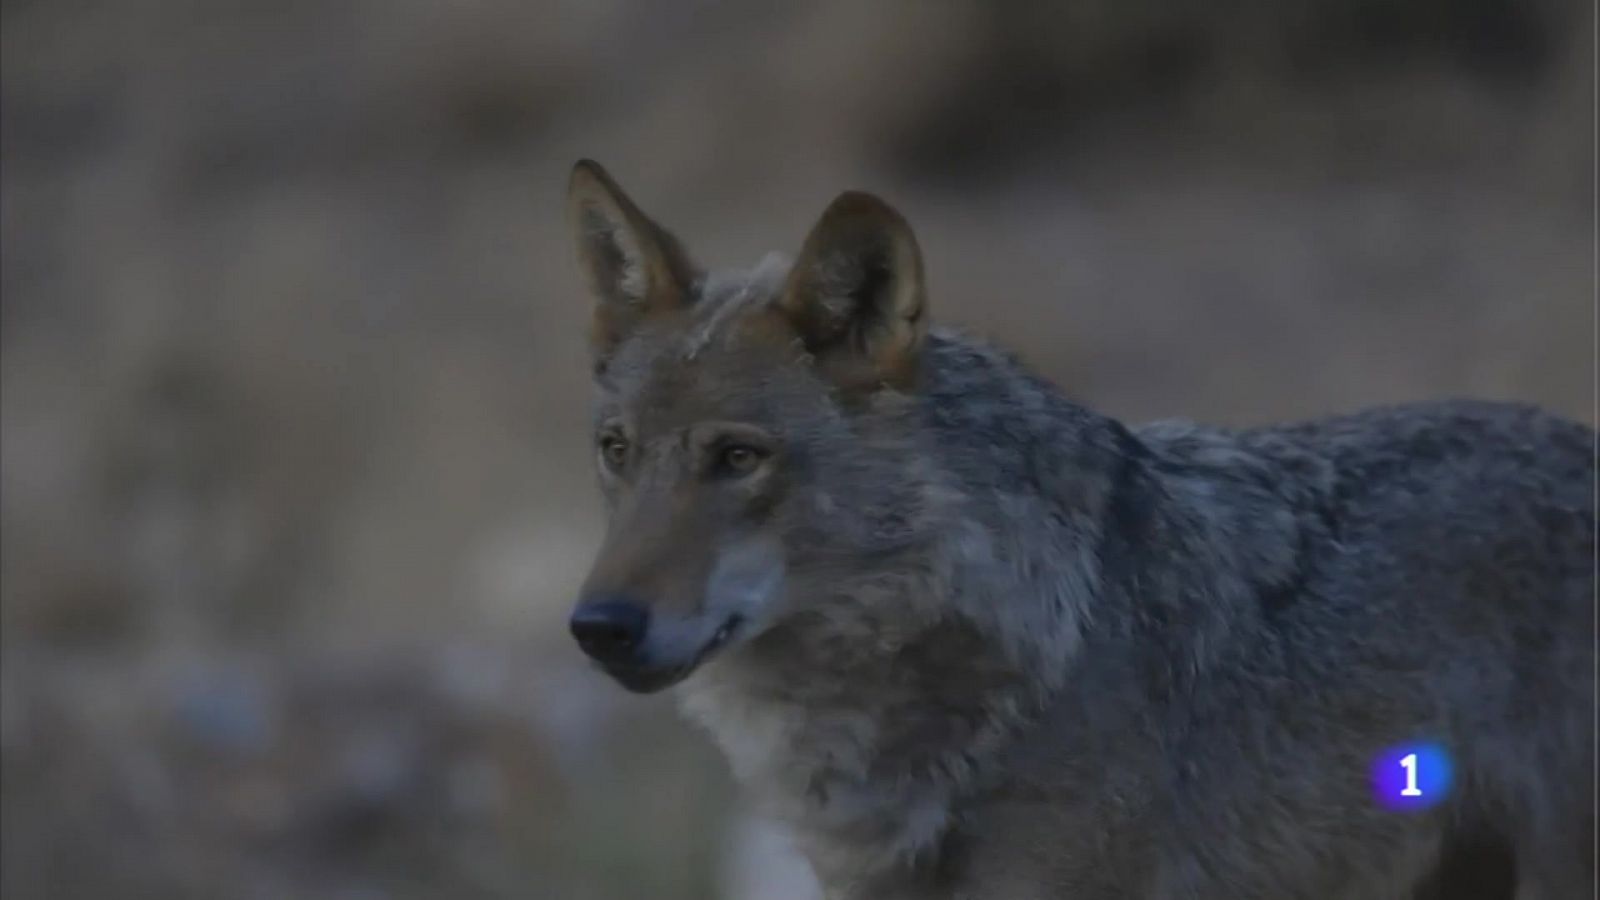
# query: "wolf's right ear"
{"type": "Point", "coordinates": [634, 267]}
{"type": "Point", "coordinates": [856, 294]}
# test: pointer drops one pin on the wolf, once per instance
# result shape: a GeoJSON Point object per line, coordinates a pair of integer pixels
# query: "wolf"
{"type": "Point", "coordinates": [973, 641]}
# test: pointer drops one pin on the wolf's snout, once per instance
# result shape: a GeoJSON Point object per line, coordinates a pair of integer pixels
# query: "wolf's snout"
{"type": "Point", "coordinates": [610, 629]}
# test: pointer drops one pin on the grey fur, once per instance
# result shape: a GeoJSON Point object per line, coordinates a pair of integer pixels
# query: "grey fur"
{"type": "Point", "coordinates": [723, 296]}
{"type": "Point", "coordinates": [1023, 651]}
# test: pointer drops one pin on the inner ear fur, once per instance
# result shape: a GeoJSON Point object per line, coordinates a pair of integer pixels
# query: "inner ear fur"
{"type": "Point", "coordinates": [856, 294]}
{"type": "Point", "coordinates": [633, 267]}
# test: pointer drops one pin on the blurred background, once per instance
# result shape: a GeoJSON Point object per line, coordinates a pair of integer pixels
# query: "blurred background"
{"type": "Point", "coordinates": [296, 482]}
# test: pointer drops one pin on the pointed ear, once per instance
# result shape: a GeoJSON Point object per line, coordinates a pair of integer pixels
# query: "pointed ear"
{"type": "Point", "coordinates": [856, 296]}
{"type": "Point", "coordinates": [633, 267]}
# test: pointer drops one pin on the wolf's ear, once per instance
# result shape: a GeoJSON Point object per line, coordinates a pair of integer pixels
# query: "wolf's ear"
{"type": "Point", "coordinates": [855, 294]}
{"type": "Point", "coordinates": [633, 266]}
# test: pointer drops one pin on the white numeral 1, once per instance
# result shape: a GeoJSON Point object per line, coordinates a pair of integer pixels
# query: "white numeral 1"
{"type": "Point", "coordinates": [1409, 763]}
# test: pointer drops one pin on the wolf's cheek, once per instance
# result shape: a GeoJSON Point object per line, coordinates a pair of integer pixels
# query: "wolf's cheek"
{"type": "Point", "coordinates": [745, 582]}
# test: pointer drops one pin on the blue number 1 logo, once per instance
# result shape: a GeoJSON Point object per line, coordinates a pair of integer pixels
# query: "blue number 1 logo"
{"type": "Point", "coordinates": [1412, 776]}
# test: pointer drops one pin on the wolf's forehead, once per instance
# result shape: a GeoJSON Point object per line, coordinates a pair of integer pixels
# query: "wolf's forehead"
{"type": "Point", "coordinates": [682, 358]}
{"type": "Point", "coordinates": [723, 297]}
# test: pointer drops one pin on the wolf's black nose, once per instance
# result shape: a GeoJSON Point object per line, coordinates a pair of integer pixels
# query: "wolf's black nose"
{"type": "Point", "coordinates": [609, 630]}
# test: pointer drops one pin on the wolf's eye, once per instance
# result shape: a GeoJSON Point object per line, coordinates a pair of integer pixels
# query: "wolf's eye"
{"type": "Point", "coordinates": [739, 459]}
{"type": "Point", "coordinates": [613, 451]}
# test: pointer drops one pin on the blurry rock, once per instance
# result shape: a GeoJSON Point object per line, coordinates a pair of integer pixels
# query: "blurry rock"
{"type": "Point", "coordinates": [477, 788]}
{"type": "Point", "coordinates": [379, 767]}
{"type": "Point", "coordinates": [14, 720]}
{"type": "Point", "coordinates": [227, 709]}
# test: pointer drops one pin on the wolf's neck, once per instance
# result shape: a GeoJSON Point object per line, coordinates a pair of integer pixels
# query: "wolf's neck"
{"type": "Point", "coordinates": [864, 755]}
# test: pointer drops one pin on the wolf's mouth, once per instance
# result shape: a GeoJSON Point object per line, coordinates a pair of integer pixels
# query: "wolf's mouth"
{"type": "Point", "coordinates": [646, 679]}
{"type": "Point", "coordinates": [719, 639]}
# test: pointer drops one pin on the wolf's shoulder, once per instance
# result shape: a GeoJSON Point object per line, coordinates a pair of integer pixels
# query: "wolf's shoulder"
{"type": "Point", "coordinates": [1478, 464]}
{"type": "Point", "coordinates": [1456, 420]}
{"type": "Point", "coordinates": [1380, 439]}
{"type": "Point", "coordinates": [1472, 440]}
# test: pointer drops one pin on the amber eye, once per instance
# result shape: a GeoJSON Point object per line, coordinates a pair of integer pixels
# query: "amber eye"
{"type": "Point", "coordinates": [739, 459]}
{"type": "Point", "coordinates": [613, 451]}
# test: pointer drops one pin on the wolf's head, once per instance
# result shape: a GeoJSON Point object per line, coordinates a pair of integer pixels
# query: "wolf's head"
{"type": "Point", "coordinates": [749, 429]}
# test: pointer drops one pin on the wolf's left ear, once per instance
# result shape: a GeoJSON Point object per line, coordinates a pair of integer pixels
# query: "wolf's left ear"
{"type": "Point", "coordinates": [856, 294]}
{"type": "Point", "coordinates": [634, 267]}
